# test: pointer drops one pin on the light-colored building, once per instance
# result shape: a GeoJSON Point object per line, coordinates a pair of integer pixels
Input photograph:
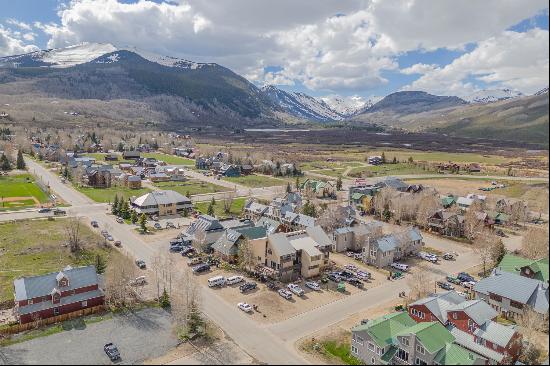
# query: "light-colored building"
{"type": "Point", "coordinates": [162, 203]}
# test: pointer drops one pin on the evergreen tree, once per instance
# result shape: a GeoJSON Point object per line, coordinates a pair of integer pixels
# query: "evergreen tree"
{"type": "Point", "coordinates": [339, 184]}
{"type": "Point", "coordinates": [394, 161]}
{"type": "Point", "coordinates": [213, 202]}
{"type": "Point", "coordinates": [4, 163]}
{"type": "Point", "coordinates": [125, 211]}
{"type": "Point", "coordinates": [410, 160]}
{"type": "Point", "coordinates": [114, 207]}
{"type": "Point", "coordinates": [164, 299]}
{"type": "Point", "coordinates": [210, 211]}
{"type": "Point", "coordinates": [143, 222]}
{"type": "Point", "coordinates": [309, 209]}
{"type": "Point", "coordinates": [100, 264]}
{"type": "Point", "coordinates": [297, 183]}
{"type": "Point", "coordinates": [20, 161]}
{"type": "Point", "coordinates": [134, 217]}
{"type": "Point", "coordinates": [288, 188]}
{"type": "Point", "coordinates": [383, 158]}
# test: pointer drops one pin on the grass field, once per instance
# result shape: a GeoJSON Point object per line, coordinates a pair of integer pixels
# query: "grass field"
{"type": "Point", "coordinates": [21, 185]}
{"type": "Point", "coordinates": [100, 157]}
{"type": "Point", "coordinates": [255, 181]}
{"type": "Point", "coordinates": [236, 208]}
{"type": "Point", "coordinates": [341, 351]}
{"type": "Point", "coordinates": [108, 194]}
{"type": "Point", "coordinates": [388, 169]}
{"type": "Point", "coordinates": [23, 255]}
{"type": "Point", "coordinates": [191, 187]}
{"type": "Point", "coordinates": [170, 159]}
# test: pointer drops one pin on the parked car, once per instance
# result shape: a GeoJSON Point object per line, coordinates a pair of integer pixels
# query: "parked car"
{"type": "Point", "coordinates": [118, 243]}
{"type": "Point", "coordinates": [139, 281]}
{"type": "Point", "coordinates": [201, 268]}
{"type": "Point", "coordinates": [112, 352]}
{"type": "Point", "coordinates": [285, 294]}
{"type": "Point", "coordinates": [110, 238]}
{"type": "Point", "coordinates": [157, 226]}
{"type": "Point", "coordinates": [469, 284]}
{"type": "Point", "coordinates": [194, 262]}
{"type": "Point", "coordinates": [428, 257]}
{"type": "Point", "coordinates": [249, 286]}
{"type": "Point", "coordinates": [218, 281]}
{"type": "Point", "coordinates": [400, 266]}
{"type": "Point", "coordinates": [313, 285]}
{"type": "Point", "coordinates": [104, 233]}
{"type": "Point", "coordinates": [44, 210]}
{"type": "Point", "coordinates": [350, 254]}
{"type": "Point", "coordinates": [355, 282]}
{"type": "Point", "coordinates": [334, 277]}
{"type": "Point", "coordinates": [445, 285]}
{"type": "Point", "coordinates": [351, 267]}
{"type": "Point", "coordinates": [141, 263]}
{"type": "Point", "coordinates": [454, 280]}
{"type": "Point", "coordinates": [463, 294]}
{"type": "Point", "coordinates": [245, 307]}
{"type": "Point", "coordinates": [448, 256]}
{"type": "Point", "coordinates": [296, 289]}
{"type": "Point", "coordinates": [177, 248]}
{"type": "Point", "coordinates": [187, 250]}
{"type": "Point", "coordinates": [94, 224]}
{"type": "Point", "coordinates": [464, 277]}
{"type": "Point", "coordinates": [346, 274]}
{"type": "Point", "coordinates": [358, 256]}
{"type": "Point", "coordinates": [120, 220]}
{"type": "Point", "coordinates": [234, 279]}
{"type": "Point", "coordinates": [362, 275]}
{"type": "Point", "coordinates": [170, 225]}
{"type": "Point", "coordinates": [58, 212]}
{"type": "Point", "coordinates": [155, 218]}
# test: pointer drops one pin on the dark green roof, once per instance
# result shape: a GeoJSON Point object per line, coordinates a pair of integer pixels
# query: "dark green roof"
{"type": "Point", "coordinates": [254, 232]}
{"type": "Point", "coordinates": [453, 354]}
{"type": "Point", "coordinates": [383, 329]}
{"type": "Point", "coordinates": [387, 357]}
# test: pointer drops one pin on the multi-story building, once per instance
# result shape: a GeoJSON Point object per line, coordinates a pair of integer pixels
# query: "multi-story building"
{"type": "Point", "coordinates": [162, 203]}
{"type": "Point", "coordinates": [383, 251]}
{"type": "Point", "coordinates": [53, 294]}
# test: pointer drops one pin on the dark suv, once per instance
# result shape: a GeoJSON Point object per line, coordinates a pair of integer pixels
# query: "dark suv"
{"type": "Point", "coordinates": [111, 351]}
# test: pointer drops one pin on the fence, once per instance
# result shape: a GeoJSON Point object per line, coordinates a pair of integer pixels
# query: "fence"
{"type": "Point", "coordinates": [17, 328]}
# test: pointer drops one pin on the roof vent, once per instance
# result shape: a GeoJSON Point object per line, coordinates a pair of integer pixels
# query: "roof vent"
{"type": "Point", "coordinates": [364, 321]}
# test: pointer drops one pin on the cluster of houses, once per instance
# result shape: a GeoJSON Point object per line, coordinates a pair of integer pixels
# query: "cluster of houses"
{"type": "Point", "coordinates": [448, 329]}
{"type": "Point", "coordinates": [217, 165]}
{"type": "Point", "coordinates": [361, 194]}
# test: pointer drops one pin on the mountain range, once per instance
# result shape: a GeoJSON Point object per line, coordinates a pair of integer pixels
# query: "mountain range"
{"type": "Point", "coordinates": [183, 92]}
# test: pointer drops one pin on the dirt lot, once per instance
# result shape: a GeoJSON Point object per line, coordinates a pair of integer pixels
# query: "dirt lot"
{"type": "Point", "coordinates": [272, 307]}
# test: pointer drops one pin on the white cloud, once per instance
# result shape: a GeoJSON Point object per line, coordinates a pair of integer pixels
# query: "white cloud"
{"type": "Point", "coordinates": [513, 60]}
{"type": "Point", "coordinates": [325, 45]}
{"type": "Point", "coordinates": [11, 44]}
{"type": "Point", "coordinates": [19, 24]}
{"type": "Point", "coordinates": [418, 69]}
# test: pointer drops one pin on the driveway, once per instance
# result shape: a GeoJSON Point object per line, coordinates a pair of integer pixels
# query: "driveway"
{"type": "Point", "coordinates": [84, 345]}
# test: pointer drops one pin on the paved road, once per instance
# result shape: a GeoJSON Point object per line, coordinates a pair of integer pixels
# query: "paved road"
{"type": "Point", "coordinates": [84, 344]}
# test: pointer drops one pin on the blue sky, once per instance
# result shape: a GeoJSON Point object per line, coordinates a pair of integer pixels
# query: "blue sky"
{"type": "Point", "coordinates": [337, 47]}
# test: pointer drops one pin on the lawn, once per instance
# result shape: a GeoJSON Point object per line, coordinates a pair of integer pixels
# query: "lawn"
{"type": "Point", "coordinates": [342, 352]}
{"type": "Point", "coordinates": [387, 169]}
{"type": "Point", "coordinates": [108, 194]}
{"type": "Point", "coordinates": [23, 254]}
{"type": "Point", "coordinates": [236, 208]}
{"type": "Point", "coordinates": [100, 157]}
{"type": "Point", "coordinates": [191, 187]}
{"type": "Point", "coordinates": [255, 181]}
{"type": "Point", "coordinates": [21, 185]}
{"type": "Point", "coordinates": [170, 159]}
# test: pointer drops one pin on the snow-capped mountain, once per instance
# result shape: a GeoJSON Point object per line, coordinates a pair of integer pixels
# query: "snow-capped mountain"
{"type": "Point", "coordinates": [349, 106]}
{"type": "Point", "coordinates": [87, 52]}
{"type": "Point", "coordinates": [492, 95]}
{"type": "Point", "coordinates": [542, 91]}
{"type": "Point", "coordinates": [301, 105]}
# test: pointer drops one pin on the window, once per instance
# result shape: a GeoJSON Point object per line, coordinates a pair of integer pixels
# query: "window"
{"type": "Point", "coordinates": [372, 361]}
{"type": "Point", "coordinates": [418, 361]}
{"type": "Point", "coordinates": [455, 316]}
{"type": "Point", "coordinates": [379, 351]}
{"type": "Point", "coordinates": [29, 302]}
{"type": "Point", "coordinates": [420, 349]}
{"type": "Point", "coordinates": [405, 341]}
{"type": "Point", "coordinates": [359, 340]}
{"type": "Point", "coordinates": [354, 350]}
{"type": "Point", "coordinates": [371, 347]}
{"type": "Point", "coordinates": [55, 311]}
{"type": "Point", "coordinates": [403, 355]}
{"type": "Point", "coordinates": [495, 347]}
{"type": "Point", "coordinates": [84, 303]}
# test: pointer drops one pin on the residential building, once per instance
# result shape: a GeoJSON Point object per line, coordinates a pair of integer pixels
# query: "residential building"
{"type": "Point", "coordinates": [227, 245]}
{"type": "Point", "coordinates": [375, 160]}
{"type": "Point", "coordinates": [271, 226]}
{"type": "Point", "coordinates": [254, 210]}
{"type": "Point", "coordinates": [133, 182]}
{"type": "Point", "coordinates": [296, 221]}
{"type": "Point", "coordinates": [534, 269]}
{"type": "Point", "coordinates": [97, 176]}
{"type": "Point", "coordinates": [447, 223]}
{"type": "Point", "coordinates": [57, 293]}
{"type": "Point", "coordinates": [318, 188]}
{"type": "Point", "coordinates": [162, 203]}
{"type": "Point", "coordinates": [383, 251]}
{"type": "Point", "coordinates": [354, 238]}
{"type": "Point", "coordinates": [510, 294]}
{"type": "Point", "coordinates": [230, 170]}
{"type": "Point", "coordinates": [396, 339]}
{"type": "Point", "coordinates": [131, 155]}
{"type": "Point", "coordinates": [394, 183]}
{"type": "Point", "coordinates": [206, 230]}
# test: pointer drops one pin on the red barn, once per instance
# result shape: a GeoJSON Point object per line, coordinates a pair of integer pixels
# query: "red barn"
{"type": "Point", "coordinates": [54, 294]}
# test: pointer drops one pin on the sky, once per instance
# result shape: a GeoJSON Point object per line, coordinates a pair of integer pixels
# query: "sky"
{"type": "Point", "coordinates": [349, 48]}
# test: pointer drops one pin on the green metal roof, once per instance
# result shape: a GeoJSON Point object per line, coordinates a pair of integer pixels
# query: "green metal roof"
{"type": "Point", "coordinates": [383, 329]}
{"type": "Point", "coordinates": [513, 263]}
{"type": "Point", "coordinates": [387, 357]}
{"type": "Point", "coordinates": [357, 196]}
{"type": "Point", "coordinates": [432, 335]}
{"type": "Point", "coordinates": [254, 232]}
{"type": "Point", "coordinates": [453, 354]}
{"type": "Point", "coordinates": [447, 201]}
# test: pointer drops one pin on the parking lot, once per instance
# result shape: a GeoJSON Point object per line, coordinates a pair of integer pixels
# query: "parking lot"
{"type": "Point", "coordinates": [84, 343]}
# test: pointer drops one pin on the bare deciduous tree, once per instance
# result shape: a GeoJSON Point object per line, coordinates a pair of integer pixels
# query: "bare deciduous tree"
{"type": "Point", "coordinates": [427, 206]}
{"type": "Point", "coordinates": [473, 226]}
{"type": "Point", "coordinates": [119, 274]}
{"type": "Point", "coordinates": [418, 284]}
{"type": "Point", "coordinates": [73, 228]}
{"type": "Point", "coordinates": [535, 243]}
{"type": "Point", "coordinates": [332, 218]}
{"type": "Point", "coordinates": [247, 259]}
{"type": "Point", "coordinates": [185, 299]}
{"type": "Point", "coordinates": [381, 201]}
{"type": "Point", "coordinates": [487, 246]}
{"type": "Point", "coordinates": [228, 199]}
{"type": "Point", "coordinates": [199, 240]}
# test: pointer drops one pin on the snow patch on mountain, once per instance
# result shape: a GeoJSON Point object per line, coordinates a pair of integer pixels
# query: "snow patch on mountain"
{"type": "Point", "coordinates": [542, 91]}
{"type": "Point", "coordinates": [301, 105]}
{"type": "Point", "coordinates": [349, 106]}
{"type": "Point", "coordinates": [492, 95]}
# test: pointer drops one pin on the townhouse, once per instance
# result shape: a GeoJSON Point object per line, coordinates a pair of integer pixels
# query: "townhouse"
{"type": "Point", "coordinates": [383, 251]}
{"type": "Point", "coordinates": [354, 238]}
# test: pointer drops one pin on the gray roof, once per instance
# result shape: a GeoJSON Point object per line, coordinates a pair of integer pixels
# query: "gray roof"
{"type": "Point", "coordinates": [387, 243]}
{"type": "Point", "coordinates": [496, 333]}
{"type": "Point", "coordinates": [467, 341]}
{"type": "Point", "coordinates": [414, 235]}
{"type": "Point", "coordinates": [515, 287]}
{"type": "Point", "coordinates": [42, 305]}
{"type": "Point", "coordinates": [269, 224]}
{"type": "Point", "coordinates": [226, 243]}
{"type": "Point", "coordinates": [161, 198]}
{"type": "Point", "coordinates": [204, 223]}
{"type": "Point", "coordinates": [321, 238]}
{"type": "Point", "coordinates": [440, 303]}
{"type": "Point", "coordinates": [478, 310]}
{"type": "Point", "coordinates": [37, 286]}
{"type": "Point", "coordinates": [281, 245]}
{"type": "Point", "coordinates": [256, 208]}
